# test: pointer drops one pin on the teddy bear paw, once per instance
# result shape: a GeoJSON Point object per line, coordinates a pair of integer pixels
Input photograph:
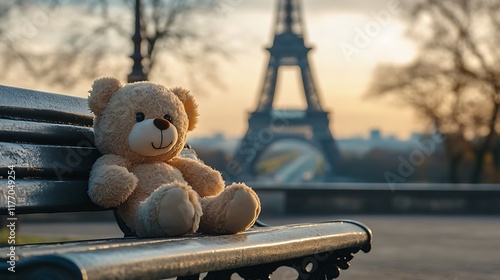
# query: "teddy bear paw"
{"type": "Point", "coordinates": [242, 211]}
{"type": "Point", "coordinates": [177, 213]}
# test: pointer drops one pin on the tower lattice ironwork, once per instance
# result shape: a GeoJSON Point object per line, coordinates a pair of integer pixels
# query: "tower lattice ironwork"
{"type": "Point", "coordinates": [266, 124]}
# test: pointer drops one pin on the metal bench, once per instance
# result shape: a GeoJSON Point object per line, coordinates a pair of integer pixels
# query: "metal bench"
{"type": "Point", "coordinates": [46, 152]}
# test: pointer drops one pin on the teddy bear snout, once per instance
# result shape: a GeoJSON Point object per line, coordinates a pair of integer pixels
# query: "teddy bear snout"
{"type": "Point", "coordinates": [161, 124]}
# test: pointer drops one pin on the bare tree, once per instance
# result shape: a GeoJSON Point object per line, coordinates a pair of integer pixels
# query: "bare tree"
{"type": "Point", "coordinates": [84, 40]}
{"type": "Point", "coordinates": [19, 26]}
{"type": "Point", "coordinates": [454, 82]}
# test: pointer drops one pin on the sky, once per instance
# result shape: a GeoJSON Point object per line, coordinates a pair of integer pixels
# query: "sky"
{"type": "Point", "coordinates": [342, 74]}
{"type": "Point", "coordinates": [350, 38]}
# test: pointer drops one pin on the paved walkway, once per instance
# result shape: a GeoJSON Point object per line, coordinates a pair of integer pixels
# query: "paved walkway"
{"type": "Point", "coordinates": [405, 247]}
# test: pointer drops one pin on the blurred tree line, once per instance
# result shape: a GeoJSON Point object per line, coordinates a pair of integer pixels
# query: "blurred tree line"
{"type": "Point", "coordinates": [390, 166]}
{"type": "Point", "coordinates": [454, 80]}
{"type": "Point", "coordinates": [378, 165]}
{"type": "Point", "coordinates": [62, 42]}
{"type": "Point", "coordinates": [383, 166]}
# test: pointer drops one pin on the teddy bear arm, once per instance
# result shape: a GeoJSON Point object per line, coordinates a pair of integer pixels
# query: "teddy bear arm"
{"type": "Point", "coordinates": [205, 180]}
{"type": "Point", "coordinates": [110, 182]}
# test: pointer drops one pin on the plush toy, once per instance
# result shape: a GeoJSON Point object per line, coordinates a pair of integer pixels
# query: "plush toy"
{"type": "Point", "coordinates": [140, 129]}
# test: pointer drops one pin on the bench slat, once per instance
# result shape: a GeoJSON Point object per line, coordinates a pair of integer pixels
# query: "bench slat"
{"type": "Point", "coordinates": [169, 257]}
{"type": "Point", "coordinates": [47, 161]}
{"type": "Point", "coordinates": [44, 196]}
{"type": "Point", "coordinates": [45, 133]}
{"type": "Point", "coordinates": [18, 103]}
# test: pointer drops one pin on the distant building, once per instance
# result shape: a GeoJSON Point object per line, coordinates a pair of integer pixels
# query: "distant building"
{"type": "Point", "coordinates": [361, 145]}
{"type": "Point", "coordinates": [218, 141]}
{"type": "Point", "coordinates": [356, 146]}
{"type": "Point", "coordinates": [375, 134]}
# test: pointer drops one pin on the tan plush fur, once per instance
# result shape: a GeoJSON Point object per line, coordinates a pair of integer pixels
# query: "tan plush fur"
{"type": "Point", "coordinates": [140, 129]}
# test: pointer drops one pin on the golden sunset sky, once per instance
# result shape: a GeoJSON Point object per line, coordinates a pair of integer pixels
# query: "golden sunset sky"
{"type": "Point", "coordinates": [342, 80]}
{"type": "Point", "coordinates": [349, 42]}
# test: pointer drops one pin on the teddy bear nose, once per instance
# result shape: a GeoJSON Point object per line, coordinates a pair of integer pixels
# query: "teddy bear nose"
{"type": "Point", "coordinates": [161, 124]}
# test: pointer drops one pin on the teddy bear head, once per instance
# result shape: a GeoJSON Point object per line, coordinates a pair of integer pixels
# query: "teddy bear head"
{"type": "Point", "coordinates": [143, 121]}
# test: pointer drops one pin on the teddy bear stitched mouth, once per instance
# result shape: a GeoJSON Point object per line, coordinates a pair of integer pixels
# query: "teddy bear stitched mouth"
{"type": "Point", "coordinates": [161, 141]}
{"type": "Point", "coordinates": [159, 148]}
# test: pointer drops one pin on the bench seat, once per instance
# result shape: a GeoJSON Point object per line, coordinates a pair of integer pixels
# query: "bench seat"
{"type": "Point", "coordinates": [297, 246]}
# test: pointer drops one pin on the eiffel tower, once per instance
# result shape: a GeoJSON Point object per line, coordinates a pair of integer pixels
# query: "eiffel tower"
{"type": "Point", "coordinates": [267, 125]}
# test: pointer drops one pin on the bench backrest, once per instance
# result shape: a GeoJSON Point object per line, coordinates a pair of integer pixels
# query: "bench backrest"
{"type": "Point", "coordinates": [47, 140]}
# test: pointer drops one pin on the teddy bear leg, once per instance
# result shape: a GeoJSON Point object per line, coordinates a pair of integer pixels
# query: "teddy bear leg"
{"type": "Point", "coordinates": [234, 210]}
{"type": "Point", "coordinates": [169, 211]}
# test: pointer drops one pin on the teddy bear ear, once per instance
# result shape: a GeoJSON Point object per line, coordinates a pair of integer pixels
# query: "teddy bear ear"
{"type": "Point", "coordinates": [189, 105]}
{"type": "Point", "coordinates": [102, 91]}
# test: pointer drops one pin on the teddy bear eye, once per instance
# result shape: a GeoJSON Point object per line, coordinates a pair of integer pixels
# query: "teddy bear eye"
{"type": "Point", "coordinates": [168, 118]}
{"type": "Point", "coordinates": [139, 117]}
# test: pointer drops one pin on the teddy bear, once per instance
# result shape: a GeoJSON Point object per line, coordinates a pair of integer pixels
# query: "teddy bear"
{"type": "Point", "coordinates": [140, 129]}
